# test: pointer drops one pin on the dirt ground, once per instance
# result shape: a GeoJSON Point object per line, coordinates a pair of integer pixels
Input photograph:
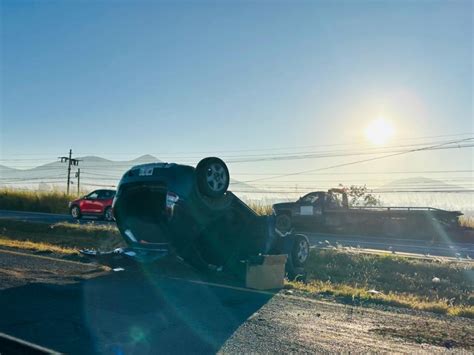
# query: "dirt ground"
{"type": "Point", "coordinates": [294, 324]}
{"type": "Point", "coordinates": [76, 308]}
{"type": "Point", "coordinates": [18, 268]}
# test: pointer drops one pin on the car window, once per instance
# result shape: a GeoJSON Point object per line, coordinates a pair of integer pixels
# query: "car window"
{"type": "Point", "coordinates": [334, 201]}
{"type": "Point", "coordinates": [311, 198]}
{"type": "Point", "coordinates": [106, 194]}
{"type": "Point", "coordinates": [93, 195]}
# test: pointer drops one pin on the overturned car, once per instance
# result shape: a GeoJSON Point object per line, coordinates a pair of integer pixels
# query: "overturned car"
{"type": "Point", "coordinates": [172, 208]}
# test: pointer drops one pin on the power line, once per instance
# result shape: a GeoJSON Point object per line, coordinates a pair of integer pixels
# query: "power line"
{"type": "Point", "coordinates": [371, 172]}
{"type": "Point", "coordinates": [290, 147]}
{"type": "Point", "coordinates": [99, 185]}
{"type": "Point", "coordinates": [364, 160]}
{"type": "Point", "coordinates": [48, 155]}
{"type": "Point", "coordinates": [275, 157]}
{"type": "Point", "coordinates": [34, 178]}
{"type": "Point", "coordinates": [375, 192]}
{"type": "Point", "coordinates": [329, 155]}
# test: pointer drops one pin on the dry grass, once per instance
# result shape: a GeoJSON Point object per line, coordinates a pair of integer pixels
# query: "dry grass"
{"type": "Point", "coordinates": [261, 209]}
{"type": "Point", "coordinates": [63, 235]}
{"type": "Point", "coordinates": [466, 221]}
{"type": "Point", "coordinates": [36, 246]}
{"type": "Point", "coordinates": [35, 201]}
{"type": "Point", "coordinates": [360, 296]}
{"type": "Point", "coordinates": [399, 281]}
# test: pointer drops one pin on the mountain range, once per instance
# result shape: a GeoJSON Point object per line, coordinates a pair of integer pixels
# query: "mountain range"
{"type": "Point", "coordinates": [94, 172]}
{"type": "Point", "coordinates": [100, 172]}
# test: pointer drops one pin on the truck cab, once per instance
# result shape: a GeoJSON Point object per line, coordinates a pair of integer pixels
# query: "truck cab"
{"type": "Point", "coordinates": [309, 209]}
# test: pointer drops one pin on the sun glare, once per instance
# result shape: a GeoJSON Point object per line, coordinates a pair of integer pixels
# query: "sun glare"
{"type": "Point", "coordinates": [379, 131]}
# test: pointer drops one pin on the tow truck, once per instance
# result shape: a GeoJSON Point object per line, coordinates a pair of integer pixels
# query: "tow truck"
{"type": "Point", "coordinates": [322, 211]}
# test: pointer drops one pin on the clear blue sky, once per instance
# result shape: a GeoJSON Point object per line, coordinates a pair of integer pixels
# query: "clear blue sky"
{"type": "Point", "coordinates": [119, 78]}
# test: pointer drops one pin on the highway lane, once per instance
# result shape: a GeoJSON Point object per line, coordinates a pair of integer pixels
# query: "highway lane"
{"type": "Point", "coordinates": [446, 248]}
{"type": "Point", "coordinates": [40, 217]}
{"type": "Point", "coordinates": [133, 311]}
{"type": "Point", "coordinates": [407, 245]}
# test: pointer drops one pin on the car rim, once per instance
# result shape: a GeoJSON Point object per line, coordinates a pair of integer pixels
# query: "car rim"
{"type": "Point", "coordinates": [302, 251]}
{"type": "Point", "coordinates": [108, 215]}
{"type": "Point", "coordinates": [75, 212]}
{"type": "Point", "coordinates": [216, 177]}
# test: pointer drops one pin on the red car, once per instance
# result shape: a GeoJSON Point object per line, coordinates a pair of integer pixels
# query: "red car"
{"type": "Point", "coordinates": [97, 203]}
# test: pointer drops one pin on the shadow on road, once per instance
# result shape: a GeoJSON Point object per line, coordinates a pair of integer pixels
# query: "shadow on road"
{"type": "Point", "coordinates": [127, 312]}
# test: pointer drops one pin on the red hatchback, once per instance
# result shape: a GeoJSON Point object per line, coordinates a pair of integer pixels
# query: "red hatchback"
{"type": "Point", "coordinates": [97, 203]}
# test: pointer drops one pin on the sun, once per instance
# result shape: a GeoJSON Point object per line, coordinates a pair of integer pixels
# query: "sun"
{"type": "Point", "coordinates": [379, 131]}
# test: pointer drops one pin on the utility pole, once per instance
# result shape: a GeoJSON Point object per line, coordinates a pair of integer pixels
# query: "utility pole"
{"type": "Point", "coordinates": [70, 161]}
{"type": "Point", "coordinates": [78, 176]}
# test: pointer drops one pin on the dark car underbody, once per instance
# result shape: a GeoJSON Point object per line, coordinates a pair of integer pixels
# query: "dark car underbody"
{"type": "Point", "coordinates": [160, 206]}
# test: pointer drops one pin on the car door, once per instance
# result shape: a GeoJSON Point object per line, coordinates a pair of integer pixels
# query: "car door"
{"type": "Point", "coordinates": [90, 203]}
{"type": "Point", "coordinates": [311, 207]}
{"type": "Point", "coordinates": [105, 199]}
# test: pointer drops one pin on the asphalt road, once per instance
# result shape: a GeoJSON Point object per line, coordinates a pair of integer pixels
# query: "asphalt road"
{"type": "Point", "coordinates": [446, 248]}
{"type": "Point", "coordinates": [150, 310]}
{"type": "Point", "coordinates": [40, 217]}
{"type": "Point", "coordinates": [138, 311]}
{"type": "Point", "coordinates": [406, 246]}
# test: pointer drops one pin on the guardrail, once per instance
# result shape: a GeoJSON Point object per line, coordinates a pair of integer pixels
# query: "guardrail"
{"type": "Point", "coordinates": [389, 208]}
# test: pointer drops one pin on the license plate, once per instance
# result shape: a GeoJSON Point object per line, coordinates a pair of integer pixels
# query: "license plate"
{"type": "Point", "coordinates": [146, 171]}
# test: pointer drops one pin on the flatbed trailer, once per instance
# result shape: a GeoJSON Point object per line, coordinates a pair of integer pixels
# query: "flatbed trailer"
{"type": "Point", "coordinates": [393, 221]}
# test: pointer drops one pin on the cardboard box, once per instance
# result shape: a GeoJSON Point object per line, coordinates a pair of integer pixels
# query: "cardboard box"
{"type": "Point", "coordinates": [268, 272]}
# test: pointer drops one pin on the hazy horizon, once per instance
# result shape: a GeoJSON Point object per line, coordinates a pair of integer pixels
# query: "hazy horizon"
{"type": "Point", "coordinates": [282, 91]}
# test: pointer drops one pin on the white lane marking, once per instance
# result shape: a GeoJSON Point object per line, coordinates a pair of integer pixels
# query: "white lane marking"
{"type": "Point", "coordinates": [230, 287]}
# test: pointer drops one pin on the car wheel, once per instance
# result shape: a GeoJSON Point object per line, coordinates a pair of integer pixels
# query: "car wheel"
{"type": "Point", "coordinates": [108, 214]}
{"type": "Point", "coordinates": [212, 177]}
{"type": "Point", "coordinates": [283, 222]}
{"type": "Point", "coordinates": [75, 212]}
{"type": "Point", "coordinates": [300, 251]}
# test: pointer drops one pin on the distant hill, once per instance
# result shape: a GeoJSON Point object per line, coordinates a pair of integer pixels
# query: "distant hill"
{"type": "Point", "coordinates": [4, 168]}
{"type": "Point", "coordinates": [95, 172]}
{"type": "Point", "coordinates": [421, 183]}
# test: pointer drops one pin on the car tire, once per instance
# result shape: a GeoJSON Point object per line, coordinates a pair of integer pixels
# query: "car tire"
{"type": "Point", "coordinates": [75, 212]}
{"type": "Point", "coordinates": [108, 215]}
{"type": "Point", "coordinates": [212, 177]}
{"type": "Point", "coordinates": [283, 222]}
{"type": "Point", "coordinates": [300, 251]}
